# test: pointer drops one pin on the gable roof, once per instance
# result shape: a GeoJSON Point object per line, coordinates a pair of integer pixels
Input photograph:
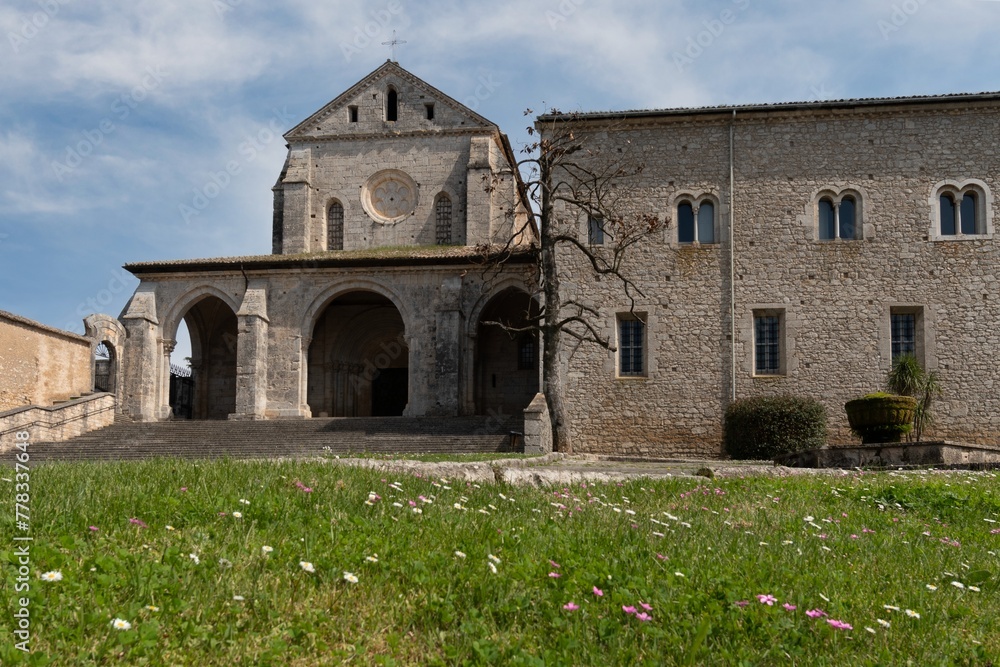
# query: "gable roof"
{"type": "Point", "coordinates": [389, 69]}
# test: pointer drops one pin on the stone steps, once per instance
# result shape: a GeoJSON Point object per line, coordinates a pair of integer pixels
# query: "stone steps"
{"type": "Point", "coordinates": [283, 438]}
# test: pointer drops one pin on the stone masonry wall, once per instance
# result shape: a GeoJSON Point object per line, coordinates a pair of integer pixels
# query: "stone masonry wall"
{"type": "Point", "coordinates": [40, 365]}
{"type": "Point", "coordinates": [835, 296]}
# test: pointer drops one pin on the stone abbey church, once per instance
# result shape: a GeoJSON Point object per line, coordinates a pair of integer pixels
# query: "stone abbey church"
{"type": "Point", "coordinates": [804, 246]}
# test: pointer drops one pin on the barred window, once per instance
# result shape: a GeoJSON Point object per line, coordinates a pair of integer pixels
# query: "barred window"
{"type": "Point", "coordinates": [595, 230]}
{"type": "Point", "coordinates": [631, 346]}
{"type": "Point", "coordinates": [335, 227]}
{"type": "Point", "coordinates": [904, 334]}
{"type": "Point", "coordinates": [442, 210]}
{"type": "Point", "coordinates": [527, 353]}
{"type": "Point", "coordinates": [767, 344]}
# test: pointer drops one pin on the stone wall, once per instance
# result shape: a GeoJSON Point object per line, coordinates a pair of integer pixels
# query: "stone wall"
{"type": "Point", "coordinates": [57, 423]}
{"type": "Point", "coordinates": [40, 365]}
{"type": "Point", "coordinates": [388, 174]}
{"type": "Point", "coordinates": [835, 297]}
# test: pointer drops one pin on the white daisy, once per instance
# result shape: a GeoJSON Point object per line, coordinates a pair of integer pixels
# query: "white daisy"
{"type": "Point", "coordinates": [307, 566]}
{"type": "Point", "coordinates": [121, 624]}
{"type": "Point", "coordinates": [54, 575]}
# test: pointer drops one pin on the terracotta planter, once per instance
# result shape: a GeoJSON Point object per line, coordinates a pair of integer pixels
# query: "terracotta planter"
{"type": "Point", "coordinates": [881, 417]}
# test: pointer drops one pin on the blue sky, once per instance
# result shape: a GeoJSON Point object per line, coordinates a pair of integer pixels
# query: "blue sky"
{"type": "Point", "coordinates": [114, 114]}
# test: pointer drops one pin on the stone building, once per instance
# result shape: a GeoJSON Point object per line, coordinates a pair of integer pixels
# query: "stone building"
{"type": "Point", "coordinates": [805, 246]}
{"type": "Point", "coordinates": [374, 300]}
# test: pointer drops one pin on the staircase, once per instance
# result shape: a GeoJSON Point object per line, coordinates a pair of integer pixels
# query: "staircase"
{"type": "Point", "coordinates": [284, 438]}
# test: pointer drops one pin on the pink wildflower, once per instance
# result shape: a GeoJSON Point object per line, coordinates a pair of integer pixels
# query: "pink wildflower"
{"type": "Point", "coordinates": [854, 537]}
{"type": "Point", "coordinates": [995, 531]}
{"type": "Point", "coordinates": [555, 564]}
{"type": "Point", "coordinates": [644, 617]}
{"type": "Point", "coordinates": [661, 557]}
{"type": "Point", "coordinates": [554, 575]}
{"type": "Point", "coordinates": [647, 607]}
{"type": "Point", "coordinates": [598, 592]}
{"type": "Point", "coordinates": [789, 607]}
{"type": "Point", "coordinates": [815, 613]}
{"type": "Point", "coordinates": [569, 606]}
{"type": "Point", "coordinates": [840, 625]}
{"type": "Point", "coordinates": [184, 489]}
{"type": "Point", "coordinates": [93, 529]}
{"type": "Point", "coordinates": [628, 609]}
{"type": "Point", "coordinates": [769, 600]}
{"type": "Point", "coordinates": [413, 503]}
{"type": "Point", "coordinates": [742, 603]}
{"type": "Point", "coordinates": [138, 522]}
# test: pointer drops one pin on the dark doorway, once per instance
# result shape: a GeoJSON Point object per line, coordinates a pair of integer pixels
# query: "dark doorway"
{"type": "Point", "coordinates": [358, 359]}
{"type": "Point", "coordinates": [389, 392]}
{"type": "Point", "coordinates": [214, 332]}
{"type": "Point", "coordinates": [506, 355]}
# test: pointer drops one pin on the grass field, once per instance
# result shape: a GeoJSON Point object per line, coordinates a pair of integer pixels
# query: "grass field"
{"type": "Point", "coordinates": [234, 563]}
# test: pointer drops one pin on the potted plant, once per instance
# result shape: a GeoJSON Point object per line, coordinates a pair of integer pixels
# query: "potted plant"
{"type": "Point", "coordinates": [881, 417]}
{"type": "Point", "coordinates": [908, 378]}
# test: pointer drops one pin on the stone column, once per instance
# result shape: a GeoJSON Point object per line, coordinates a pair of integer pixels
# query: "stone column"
{"type": "Point", "coordinates": [168, 347]}
{"type": "Point", "coordinates": [141, 357]}
{"type": "Point", "coordinates": [251, 354]}
{"type": "Point", "coordinates": [447, 348]}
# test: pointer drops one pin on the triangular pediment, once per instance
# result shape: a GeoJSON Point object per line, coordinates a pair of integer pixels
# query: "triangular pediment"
{"type": "Point", "coordinates": [363, 110]}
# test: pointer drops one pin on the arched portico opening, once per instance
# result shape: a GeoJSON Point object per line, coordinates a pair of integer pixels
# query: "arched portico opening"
{"type": "Point", "coordinates": [358, 359]}
{"type": "Point", "coordinates": [214, 332]}
{"type": "Point", "coordinates": [506, 367]}
{"type": "Point", "coordinates": [105, 367]}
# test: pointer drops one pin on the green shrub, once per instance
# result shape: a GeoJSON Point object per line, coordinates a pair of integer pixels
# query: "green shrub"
{"type": "Point", "coordinates": [764, 427]}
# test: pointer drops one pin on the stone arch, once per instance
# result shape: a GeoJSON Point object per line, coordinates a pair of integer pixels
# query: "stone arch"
{"type": "Point", "coordinates": [504, 380]}
{"type": "Point", "coordinates": [328, 295]}
{"type": "Point", "coordinates": [107, 332]}
{"type": "Point", "coordinates": [214, 328]}
{"type": "Point", "coordinates": [181, 305]}
{"type": "Point", "coordinates": [357, 361]}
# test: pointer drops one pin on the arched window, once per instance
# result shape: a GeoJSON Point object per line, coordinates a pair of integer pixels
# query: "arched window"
{"type": "Point", "coordinates": [969, 213]}
{"type": "Point", "coordinates": [391, 104]}
{"type": "Point", "coordinates": [696, 222]}
{"type": "Point", "coordinates": [848, 213]}
{"type": "Point", "coordinates": [706, 222]}
{"type": "Point", "coordinates": [963, 210]}
{"type": "Point", "coordinates": [685, 223]}
{"type": "Point", "coordinates": [442, 210]}
{"type": "Point", "coordinates": [948, 226]}
{"type": "Point", "coordinates": [838, 216]}
{"type": "Point", "coordinates": [335, 226]}
{"type": "Point", "coordinates": [827, 220]}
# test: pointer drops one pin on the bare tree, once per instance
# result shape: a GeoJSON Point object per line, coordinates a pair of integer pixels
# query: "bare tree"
{"type": "Point", "coordinates": [583, 210]}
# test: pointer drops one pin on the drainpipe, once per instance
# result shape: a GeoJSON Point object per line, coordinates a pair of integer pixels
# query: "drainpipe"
{"type": "Point", "coordinates": [732, 258]}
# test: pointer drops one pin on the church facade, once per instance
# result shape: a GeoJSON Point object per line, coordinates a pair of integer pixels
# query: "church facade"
{"type": "Point", "coordinates": [373, 299]}
{"type": "Point", "coordinates": [803, 247]}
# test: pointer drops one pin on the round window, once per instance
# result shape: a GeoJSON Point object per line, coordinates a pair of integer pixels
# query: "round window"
{"type": "Point", "coordinates": [389, 196]}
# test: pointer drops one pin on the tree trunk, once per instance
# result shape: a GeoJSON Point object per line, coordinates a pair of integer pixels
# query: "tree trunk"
{"type": "Point", "coordinates": [552, 376]}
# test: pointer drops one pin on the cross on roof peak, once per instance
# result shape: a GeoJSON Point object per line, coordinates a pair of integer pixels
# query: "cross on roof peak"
{"type": "Point", "coordinates": [392, 43]}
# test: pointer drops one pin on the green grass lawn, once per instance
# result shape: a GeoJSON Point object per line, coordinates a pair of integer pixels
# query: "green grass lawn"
{"type": "Point", "coordinates": [236, 563]}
